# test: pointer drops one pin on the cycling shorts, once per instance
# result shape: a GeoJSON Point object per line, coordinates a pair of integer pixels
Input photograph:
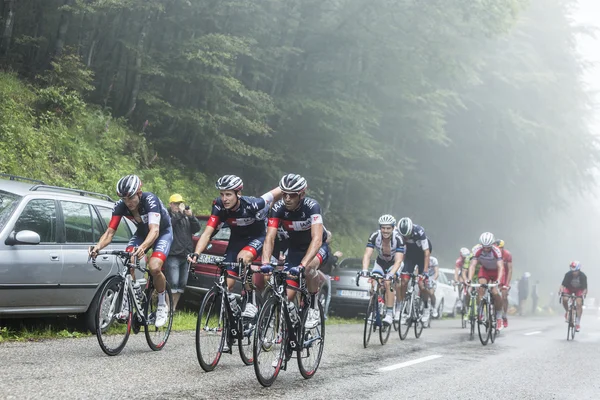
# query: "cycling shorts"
{"type": "Point", "coordinates": [576, 292]}
{"type": "Point", "coordinates": [381, 267]}
{"type": "Point", "coordinates": [160, 247]}
{"type": "Point", "coordinates": [294, 258]}
{"type": "Point", "coordinates": [488, 274]}
{"type": "Point", "coordinates": [253, 245]}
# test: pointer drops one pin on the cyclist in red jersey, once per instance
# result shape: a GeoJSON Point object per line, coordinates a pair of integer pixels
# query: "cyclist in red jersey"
{"type": "Point", "coordinates": [575, 281]}
{"type": "Point", "coordinates": [505, 284]}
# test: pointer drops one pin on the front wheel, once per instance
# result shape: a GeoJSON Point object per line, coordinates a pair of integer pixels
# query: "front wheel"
{"type": "Point", "coordinates": [405, 312]}
{"type": "Point", "coordinates": [483, 322]}
{"type": "Point", "coordinates": [112, 330]}
{"type": "Point", "coordinates": [270, 339]}
{"type": "Point", "coordinates": [492, 325]}
{"type": "Point", "coordinates": [157, 336]}
{"type": "Point", "coordinates": [369, 320]}
{"type": "Point", "coordinates": [418, 314]}
{"type": "Point", "coordinates": [311, 341]}
{"type": "Point", "coordinates": [211, 329]}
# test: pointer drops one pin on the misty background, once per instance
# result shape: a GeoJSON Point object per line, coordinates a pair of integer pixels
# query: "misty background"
{"type": "Point", "coordinates": [466, 116]}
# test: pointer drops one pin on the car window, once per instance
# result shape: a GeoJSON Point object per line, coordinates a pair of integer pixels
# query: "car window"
{"type": "Point", "coordinates": [8, 203]}
{"type": "Point", "coordinates": [351, 263]}
{"type": "Point", "coordinates": [222, 234]}
{"type": "Point", "coordinates": [39, 215]}
{"type": "Point", "coordinates": [123, 233]}
{"type": "Point", "coordinates": [442, 278]}
{"type": "Point", "coordinates": [78, 222]}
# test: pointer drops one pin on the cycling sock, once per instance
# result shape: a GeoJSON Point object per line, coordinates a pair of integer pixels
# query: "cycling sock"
{"type": "Point", "coordinates": [503, 314]}
{"type": "Point", "coordinates": [390, 310]}
{"type": "Point", "coordinates": [161, 298]}
{"type": "Point", "coordinates": [498, 314]}
{"type": "Point", "coordinates": [577, 320]}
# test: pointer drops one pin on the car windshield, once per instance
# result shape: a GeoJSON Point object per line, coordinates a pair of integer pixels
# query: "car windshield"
{"type": "Point", "coordinates": [8, 203]}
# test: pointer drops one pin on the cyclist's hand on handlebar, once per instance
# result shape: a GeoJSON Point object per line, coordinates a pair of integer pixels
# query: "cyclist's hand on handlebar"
{"type": "Point", "coordinates": [296, 270]}
{"type": "Point", "coordinates": [265, 268]}
{"type": "Point", "coordinates": [93, 252]}
{"type": "Point", "coordinates": [389, 277]}
{"type": "Point", "coordinates": [364, 272]}
{"type": "Point", "coordinates": [139, 252]}
{"type": "Point", "coordinates": [193, 257]}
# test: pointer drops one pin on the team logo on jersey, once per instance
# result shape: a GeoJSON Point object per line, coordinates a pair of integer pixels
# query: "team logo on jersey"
{"type": "Point", "coordinates": [310, 203]}
{"type": "Point", "coordinates": [151, 201]}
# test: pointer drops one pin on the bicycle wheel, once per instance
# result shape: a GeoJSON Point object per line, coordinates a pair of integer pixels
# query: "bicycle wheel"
{"type": "Point", "coordinates": [405, 310]}
{"type": "Point", "coordinates": [246, 334]}
{"type": "Point", "coordinates": [571, 325]}
{"type": "Point", "coordinates": [396, 323]}
{"type": "Point", "coordinates": [369, 320]}
{"type": "Point", "coordinates": [482, 322]}
{"type": "Point", "coordinates": [384, 331]}
{"type": "Point", "coordinates": [211, 329]}
{"type": "Point", "coordinates": [157, 336]}
{"type": "Point", "coordinates": [312, 341]}
{"type": "Point", "coordinates": [418, 314]}
{"type": "Point", "coordinates": [113, 332]}
{"type": "Point", "coordinates": [270, 339]}
{"type": "Point", "coordinates": [472, 318]}
{"type": "Point", "coordinates": [492, 324]}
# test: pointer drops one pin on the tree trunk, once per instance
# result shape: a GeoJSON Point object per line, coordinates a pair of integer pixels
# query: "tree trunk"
{"type": "Point", "coordinates": [135, 90]}
{"type": "Point", "coordinates": [9, 20]}
{"type": "Point", "coordinates": [63, 28]}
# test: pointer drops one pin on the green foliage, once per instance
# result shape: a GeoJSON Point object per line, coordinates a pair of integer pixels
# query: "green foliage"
{"type": "Point", "coordinates": [67, 71]}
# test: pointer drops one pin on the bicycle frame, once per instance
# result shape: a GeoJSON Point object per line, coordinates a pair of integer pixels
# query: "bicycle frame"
{"type": "Point", "coordinates": [378, 290]}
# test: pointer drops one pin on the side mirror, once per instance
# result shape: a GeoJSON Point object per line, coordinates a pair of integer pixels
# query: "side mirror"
{"type": "Point", "coordinates": [23, 237]}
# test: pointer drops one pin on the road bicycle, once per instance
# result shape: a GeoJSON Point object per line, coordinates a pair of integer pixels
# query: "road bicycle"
{"type": "Point", "coordinates": [376, 310]}
{"type": "Point", "coordinates": [411, 308]}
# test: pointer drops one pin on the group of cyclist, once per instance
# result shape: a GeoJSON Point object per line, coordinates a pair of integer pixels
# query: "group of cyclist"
{"type": "Point", "coordinates": [256, 223]}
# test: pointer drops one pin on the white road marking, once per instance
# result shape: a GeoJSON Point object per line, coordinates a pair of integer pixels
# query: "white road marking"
{"type": "Point", "coordinates": [409, 363]}
{"type": "Point", "coordinates": [533, 333]}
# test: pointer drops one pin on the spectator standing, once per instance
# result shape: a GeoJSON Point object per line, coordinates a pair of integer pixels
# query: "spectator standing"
{"type": "Point", "coordinates": [184, 226]}
{"type": "Point", "coordinates": [534, 297]}
{"type": "Point", "coordinates": [326, 269]}
{"type": "Point", "coordinates": [523, 291]}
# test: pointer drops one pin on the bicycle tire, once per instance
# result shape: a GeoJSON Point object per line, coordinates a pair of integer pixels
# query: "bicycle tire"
{"type": "Point", "coordinates": [418, 314]}
{"type": "Point", "coordinates": [105, 317]}
{"type": "Point", "coordinates": [270, 316]}
{"type": "Point", "coordinates": [369, 319]}
{"type": "Point", "coordinates": [403, 329]}
{"type": "Point", "coordinates": [211, 324]}
{"type": "Point", "coordinates": [463, 315]}
{"type": "Point", "coordinates": [157, 337]}
{"type": "Point", "coordinates": [482, 329]}
{"type": "Point", "coordinates": [472, 318]}
{"type": "Point", "coordinates": [384, 330]}
{"type": "Point", "coordinates": [308, 338]}
{"type": "Point", "coordinates": [571, 325]}
{"type": "Point", "coordinates": [246, 333]}
{"type": "Point", "coordinates": [395, 323]}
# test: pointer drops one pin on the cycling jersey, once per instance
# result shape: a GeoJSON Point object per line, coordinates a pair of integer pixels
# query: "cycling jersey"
{"type": "Point", "coordinates": [151, 209]}
{"type": "Point", "coordinates": [488, 260]}
{"type": "Point", "coordinates": [417, 238]}
{"type": "Point", "coordinates": [416, 244]}
{"type": "Point", "coordinates": [433, 263]}
{"type": "Point", "coordinates": [574, 282]}
{"type": "Point", "coordinates": [506, 256]}
{"type": "Point", "coordinates": [463, 263]}
{"type": "Point", "coordinates": [246, 221]}
{"type": "Point", "coordinates": [386, 253]}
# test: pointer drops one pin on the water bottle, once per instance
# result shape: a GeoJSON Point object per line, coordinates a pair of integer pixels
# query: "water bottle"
{"type": "Point", "coordinates": [381, 306]}
{"type": "Point", "coordinates": [235, 308]}
{"type": "Point", "coordinates": [137, 289]}
{"type": "Point", "coordinates": [293, 313]}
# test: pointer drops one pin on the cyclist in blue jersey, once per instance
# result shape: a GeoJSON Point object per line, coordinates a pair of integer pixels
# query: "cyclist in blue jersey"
{"type": "Point", "coordinates": [390, 254]}
{"type": "Point", "coordinates": [154, 230]}
{"type": "Point", "coordinates": [418, 251]}
{"type": "Point", "coordinates": [301, 217]}
{"type": "Point", "coordinates": [246, 217]}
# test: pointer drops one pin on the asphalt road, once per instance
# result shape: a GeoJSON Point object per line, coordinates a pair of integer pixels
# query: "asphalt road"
{"type": "Point", "coordinates": [530, 360]}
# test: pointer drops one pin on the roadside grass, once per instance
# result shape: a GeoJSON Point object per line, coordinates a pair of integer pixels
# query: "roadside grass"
{"type": "Point", "coordinates": [40, 329]}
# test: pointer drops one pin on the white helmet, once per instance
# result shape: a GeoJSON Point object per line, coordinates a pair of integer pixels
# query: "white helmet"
{"type": "Point", "coordinates": [487, 239]}
{"type": "Point", "coordinates": [387, 219]}
{"type": "Point", "coordinates": [230, 182]}
{"type": "Point", "coordinates": [464, 252]}
{"type": "Point", "coordinates": [405, 226]}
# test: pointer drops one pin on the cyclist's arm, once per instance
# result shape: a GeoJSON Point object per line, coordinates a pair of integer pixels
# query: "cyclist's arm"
{"type": "Point", "coordinates": [398, 258]}
{"type": "Point", "coordinates": [464, 274]}
{"type": "Point", "coordinates": [153, 230]}
{"type": "Point", "coordinates": [500, 265]}
{"type": "Point", "coordinates": [316, 232]}
{"type": "Point", "coordinates": [105, 239]}
{"type": "Point", "coordinates": [472, 266]}
{"type": "Point", "coordinates": [456, 274]}
{"type": "Point", "coordinates": [204, 239]}
{"type": "Point", "coordinates": [367, 258]}
{"type": "Point", "coordinates": [437, 273]}
{"type": "Point", "coordinates": [508, 272]}
{"type": "Point", "coordinates": [426, 262]}
{"type": "Point", "coordinates": [272, 196]}
{"type": "Point", "coordinates": [584, 284]}
{"type": "Point", "coordinates": [269, 244]}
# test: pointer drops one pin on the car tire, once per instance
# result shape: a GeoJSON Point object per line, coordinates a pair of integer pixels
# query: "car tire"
{"type": "Point", "coordinates": [90, 315]}
{"type": "Point", "coordinates": [440, 308]}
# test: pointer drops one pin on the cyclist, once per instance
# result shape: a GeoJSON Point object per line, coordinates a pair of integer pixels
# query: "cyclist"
{"type": "Point", "coordinates": [418, 251]}
{"type": "Point", "coordinates": [390, 253]}
{"type": "Point", "coordinates": [574, 282]}
{"type": "Point", "coordinates": [505, 284]}
{"type": "Point", "coordinates": [246, 217]}
{"type": "Point", "coordinates": [461, 269]}
{"type": "Point", "coordinates": [154, 230]}
{"type": "Point", "coordinates": [489, 256]}
{"type": "Point", "coordinates": [301, 217]}
{"type": "Point", "coordinates": [431, 283]}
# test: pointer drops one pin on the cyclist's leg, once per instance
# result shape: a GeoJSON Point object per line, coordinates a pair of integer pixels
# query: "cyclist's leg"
{"type": "Point", "coordinates": [405, 276]}
{"type": "Point", "coordinates": [315, 278]}
{"type": "Point", "coordinates": [248, 254]}
{"type": "Point", "coordinates": [579, 303]}
{"type": "Point", "coordinates": [377, 269]}
{"type": "Point", "coordinates": [160, 252]}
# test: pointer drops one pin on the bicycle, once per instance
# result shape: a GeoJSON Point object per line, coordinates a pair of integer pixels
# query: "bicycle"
{"type": "Point", "coordinates": [571, 313]}
{"type": "Point", "coordinates": [376, 310]}
{"type": "Point", "coordinates": [412, 308]}
{"type": "Point", "coordinates": [486, 314]}
{"type": "Point", "coordinates": [281, 330]}
{"type": "Point", "coordinates": [109, 326]}
{"type": "Point", "coordinates": [461, 288]}
{"type": "Point", "coordinates": [220, 321]}
{"type": "Point", "coordinates": [472, 315]}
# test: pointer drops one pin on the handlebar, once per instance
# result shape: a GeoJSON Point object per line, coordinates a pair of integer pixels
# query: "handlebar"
{"type": "Point", "coordinates": [125, 255]}
{"type": "Point", "coordinates": [372, 275]}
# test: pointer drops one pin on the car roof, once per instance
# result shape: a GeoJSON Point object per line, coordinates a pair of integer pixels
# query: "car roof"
{"type": "Point", "coordinates": [448, 270]}
{"type": "Point", "coordinates": [22, 188]}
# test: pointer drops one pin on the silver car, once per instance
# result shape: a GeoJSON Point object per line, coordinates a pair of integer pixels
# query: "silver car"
{"type": "Point", "coordinates": [45, 232]}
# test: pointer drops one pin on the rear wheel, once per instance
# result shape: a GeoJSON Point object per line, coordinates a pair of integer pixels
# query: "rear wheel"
{"type": "Point", "coordinates": [492, 325]}
{"type": "Point", "coordinates": [113, 332]}
{"type": "Point", "coordinates": [246, 334]}
{"type": "Point", "coordinates": [211, 328]}
{"type": "Point", "coordinates": [483, 322]}
{"type": "Point", "coordinates": [157, 336]}
{"type": "Point", "coordinates": [312, 341]}
{"type": "Point", "coordinates": [418, 314]}
{"type": "Point", "coordinates": [270, 339]}
{"type": "Point", "coordinates": [369, 321]}
{"type": "Point", "coordinates": [571, 325]}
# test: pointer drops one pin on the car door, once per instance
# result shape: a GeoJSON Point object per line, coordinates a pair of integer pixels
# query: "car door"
{"type": "Point", "coordinates": [79, 281]}
{"type": "Point", "coordinates": [30, 273]}
{"type": "Point", "coordinates": [122, 235]}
